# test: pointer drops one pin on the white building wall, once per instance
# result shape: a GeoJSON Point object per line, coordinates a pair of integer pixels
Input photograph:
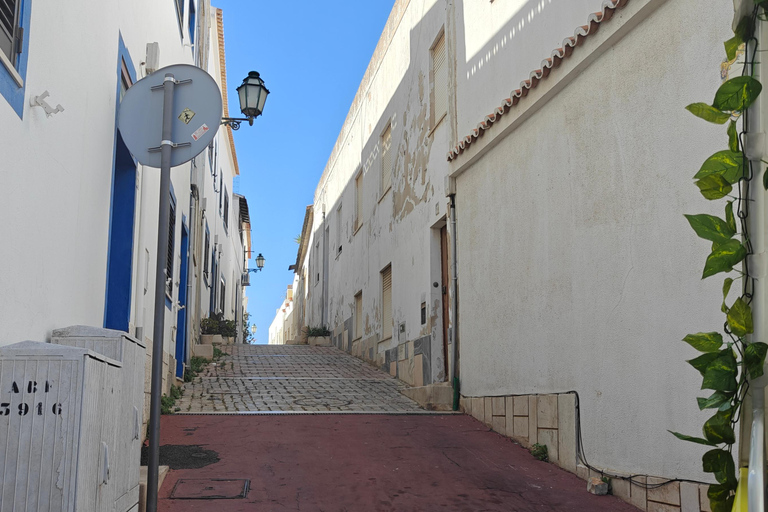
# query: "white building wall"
{"type": "Point", "coordinates": [577, 270]}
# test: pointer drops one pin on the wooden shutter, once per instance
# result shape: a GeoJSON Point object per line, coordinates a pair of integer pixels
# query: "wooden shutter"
{"type": "Point", "coordinates": [359, 200]}
{"type": "Point", "coordinates": [440, 80]}
{"type": "Point", "coordinates": [386, 303]}
{"type": "Point", "coordinates": [359, 315]}
{"type": "Point", "coordinates": [171, 244]}
{"type": "Point", "coordinates": [386, 159]}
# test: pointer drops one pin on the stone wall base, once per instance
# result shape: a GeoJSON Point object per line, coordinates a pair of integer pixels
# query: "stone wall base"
{"type": "Point", "coordinates": [551, 420]}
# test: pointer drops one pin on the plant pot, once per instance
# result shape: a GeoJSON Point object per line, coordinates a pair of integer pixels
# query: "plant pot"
{"type": "Point", "coordinates": [208, 339]}
{"type": "Point", "coordinates": [320, 341]}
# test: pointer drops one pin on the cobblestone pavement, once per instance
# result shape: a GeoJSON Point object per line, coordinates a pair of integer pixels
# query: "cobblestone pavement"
{"type": "Point", "coordinates": [292, 379]}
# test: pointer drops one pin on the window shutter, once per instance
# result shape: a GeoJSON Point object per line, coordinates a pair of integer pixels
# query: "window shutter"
{"type": "Point", "coordinates": [386, 159]}
{"type": "Point", "coordinates": [8, 27]}
{"type": "Point", "coordinates": [386, 303]}
{"type": "Point", "coordinates": [440, 78]}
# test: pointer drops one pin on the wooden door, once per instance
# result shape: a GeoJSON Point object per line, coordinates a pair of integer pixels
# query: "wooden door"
{"type": "Point", "coordinates": [445, 301]}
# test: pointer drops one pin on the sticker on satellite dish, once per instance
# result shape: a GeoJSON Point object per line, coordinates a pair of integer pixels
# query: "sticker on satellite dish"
{"type": "Point", "coordinates": [200, 131]}
{"type": "Point", "coordinates": [186, 116]}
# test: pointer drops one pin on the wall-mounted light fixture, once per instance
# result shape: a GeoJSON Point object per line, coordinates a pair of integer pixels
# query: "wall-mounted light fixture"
{"type": "Point", "coordinates": [252, 94]}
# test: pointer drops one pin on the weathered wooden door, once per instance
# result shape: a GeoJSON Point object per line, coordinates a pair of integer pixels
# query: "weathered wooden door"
{"type": "Point", "coordinates": [445, 301]}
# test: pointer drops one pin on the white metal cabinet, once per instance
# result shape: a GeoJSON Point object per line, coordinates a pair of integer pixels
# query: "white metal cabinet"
{"type": "Point", "coordinates": [53, 403]}
{"type": "Point", "coordinates": [122, 490]}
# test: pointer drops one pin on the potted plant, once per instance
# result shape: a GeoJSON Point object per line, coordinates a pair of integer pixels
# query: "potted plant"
{"type": "Point", "coordinates": [210, 328]}
{"type": "Point", "coordinates": [319, 336]}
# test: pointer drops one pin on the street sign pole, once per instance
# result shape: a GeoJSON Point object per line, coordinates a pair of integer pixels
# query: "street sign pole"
{"type": "Point", "coordinates": [166, 147]}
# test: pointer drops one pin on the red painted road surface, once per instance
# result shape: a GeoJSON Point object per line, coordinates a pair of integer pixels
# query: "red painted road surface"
{"type": "Point", "coordinates": [371, 463]}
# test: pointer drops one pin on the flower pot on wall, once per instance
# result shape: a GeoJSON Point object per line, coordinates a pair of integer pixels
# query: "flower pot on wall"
{"type": "Point", "coordinates": [320, 341]}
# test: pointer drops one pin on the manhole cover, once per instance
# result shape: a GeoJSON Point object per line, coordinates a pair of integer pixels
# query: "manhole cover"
{"type": "Point", "coordinates": [321, 402]}
{"type": "Point", "coordinates": [210, 489]}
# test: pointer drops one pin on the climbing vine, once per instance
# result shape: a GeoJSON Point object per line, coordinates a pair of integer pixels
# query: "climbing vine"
{"type": "Point", "coordinates": [726, 362]}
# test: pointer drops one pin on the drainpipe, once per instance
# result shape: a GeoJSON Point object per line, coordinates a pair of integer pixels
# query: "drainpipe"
{"type": "Point", "coordinates": [755, 148]}
{"type": "Point", "coordinates": [454, 298]}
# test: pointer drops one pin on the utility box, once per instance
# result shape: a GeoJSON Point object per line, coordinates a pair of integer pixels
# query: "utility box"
{"type": "Point", "coordinates": [58, 417]}
{"type": "Point", "coordinates": [122, 489]}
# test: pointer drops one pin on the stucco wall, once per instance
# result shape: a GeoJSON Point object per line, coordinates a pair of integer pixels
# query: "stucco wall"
{"type": "Point", "coordinates": [577, 269]}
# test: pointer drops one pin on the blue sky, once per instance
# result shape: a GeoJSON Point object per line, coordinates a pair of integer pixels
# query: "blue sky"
{"type": "Point", "coordinates": [311, 56]}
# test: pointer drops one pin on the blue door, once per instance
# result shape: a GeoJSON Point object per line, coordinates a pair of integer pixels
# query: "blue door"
{"type": "Point", "coordinates": [117, 310]}
{"type": "Point", "coordinates": [181, 319]}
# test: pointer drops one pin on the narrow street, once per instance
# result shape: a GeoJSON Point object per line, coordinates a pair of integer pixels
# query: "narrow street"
{"type": "Point", "coordinates": [274, 428]}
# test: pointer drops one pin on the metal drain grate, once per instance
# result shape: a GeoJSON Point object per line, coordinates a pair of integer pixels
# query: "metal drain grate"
{"type": "Point", "coordinates": [210, 489]}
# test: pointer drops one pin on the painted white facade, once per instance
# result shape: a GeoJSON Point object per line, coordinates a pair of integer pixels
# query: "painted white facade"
{"type": "Point", "coordinates": [281, 330]}
{"type": "Point", "coordinates": [60, 173]}
{"type": "Point", "coordinates": [576, 268]}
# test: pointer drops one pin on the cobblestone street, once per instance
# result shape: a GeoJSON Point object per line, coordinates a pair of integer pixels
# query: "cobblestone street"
{"type": "Point", "coordinates": [293, 379]}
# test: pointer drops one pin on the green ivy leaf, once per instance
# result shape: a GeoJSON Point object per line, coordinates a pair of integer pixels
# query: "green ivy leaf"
{"type": "Point", "coordinates": [728, 164]}
{"type": "Point", "coordinates": [720, 498]}
{"type": "Point", "coordinates": [692, 439]}
{"type": "Point", "coordinates": [718, 429]}
{"type": "Point", "coordinates": [702, 362]}
{"type": "Point", "coordinates": [720, 462]}
{"type": "Point", "coordinates": [726, 288]}
{"type": "Point", "coordinates": [724, 258]}
{"type": "Point", "coordinates": [721, 373]}
{"type": "Point", "coordinates": [733, 137]}
{"type": "Point", "coordinates": [708, 113]}
{"type": "Point", "coordinates": [714, 187]}
{"type": "Point", "coordinates": [732, 46]}
{"type": "Point", "coordinates": [729, 218]}
{"type": "Point", "coordinates": [740, 318]}
{"type": "Point", "coordinates": [705, 341]}
{"type": "Point", "coordinates": [710, 227]}
{"type": "Point", "coordinates": [737, 93]}
{"type": "Point", "coordinates": [717, 400]}
{"type": "Point", "coordinates": [754, 358]}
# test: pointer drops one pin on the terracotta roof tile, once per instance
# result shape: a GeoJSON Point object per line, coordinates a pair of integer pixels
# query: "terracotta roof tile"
{"type": "Point", "coordinates": [553, 61]}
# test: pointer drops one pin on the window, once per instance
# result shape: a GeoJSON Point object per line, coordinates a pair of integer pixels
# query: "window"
{"type": "Point", "coordinates": [11, 33]}
{"type": "Point", "coordinates": [386, 303]}
{"type": "Point", "coordinates": [179, 12]}
{"type": "Point", "coordinates": [359, 315]}
{"type": "Point", "coordinates": [205, 253]}
{"type": "Point", "coordinates": [226, 209]}
{"type": "Point", "coordinates": [171, 247]}
{"type": "Point", "coordinates": [358, 200]}
{"type": "Point", "coordinates": [220, 191]}
{"type": "Point", "coordinates": [338, 230]}
{"type": "Point", "coordinates": [439, 75]}
{"type": "Point", "coordinates": [317, 262]}
{"type": "Point", "coordinates": [14, 43]}
{"type": "Point", "coordinates": [125, 77]}
{"type": "Point", "coordinates": [386, 159]}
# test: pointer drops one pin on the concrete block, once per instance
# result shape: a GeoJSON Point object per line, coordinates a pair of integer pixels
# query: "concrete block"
{"type": "Point", "coordinates": [520, 405]}
{"type": "Point", "coordinates": [434, 397]}
{"type": "Point", "coordinates": [597, 486]}
{"type": "Point", "coordinates": [566, 432]}
{"type": "Point", "coordinates": [401, 352]}
{"type": "Point", "coordinates": [620, 488]}
{"type": "Point", "coordinates": [499, 424]}
{"type": "Point", "coordinates": [499, 406]}
{"type": "Point", "coordinates": [392, 368]}
{"type": "Point", "coordinates": [582, 472]}
{"type": "Point", "coordinates": [520, 429]}
{"type": "Point", "coordinates": [704, 499]}
{"type": "Point", "coordinates": [638, 495]}
{"type": "Point", "coordinates": [548, 437]}
{"type": "Point", "coordinates": [533, 425]}
{"type": "Point", "coordinates": [203, 351]}
{"type": "Point", "coordinates": [509, 416]}
{"type": "Point", "coordinates": [547, 411]}
{"type": "Point", "coordinates": [689, 497]}
{"type": "Point", "coordinates": [668, 494]}
{"type": "Point", "coordinates": [466, 405]}
{"type": "Point", "coordinates": [488, 420]}
{"type": "Point", "coordinates": [478, 408]}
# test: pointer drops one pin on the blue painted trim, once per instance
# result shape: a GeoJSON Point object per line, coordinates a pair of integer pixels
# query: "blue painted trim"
{"type": "Point", "coordinates": [9, 89]}
{"type": "Point", "coordinates": [181, 316]}
{"type": "Point", "coordinates": [119, 271]}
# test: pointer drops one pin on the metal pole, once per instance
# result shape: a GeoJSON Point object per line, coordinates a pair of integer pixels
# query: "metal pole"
{"type": "Point", "coordinates": [160, 284]}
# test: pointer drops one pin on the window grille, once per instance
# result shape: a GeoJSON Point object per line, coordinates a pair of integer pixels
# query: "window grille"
{"type": "Point", "coordinates": [171, 247]}
{"type": "Point", "coordinates": [386, 303]}
{"type": "Point", "coordinates": [439, 81]}
{"type": "Point", "coordinates": [386, 159]}
{"type": "Point", "coordinates": [10, 31]}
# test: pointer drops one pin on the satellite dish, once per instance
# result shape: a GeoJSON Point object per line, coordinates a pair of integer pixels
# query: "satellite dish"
{"type": "Point", "coordinates": [197, 110]}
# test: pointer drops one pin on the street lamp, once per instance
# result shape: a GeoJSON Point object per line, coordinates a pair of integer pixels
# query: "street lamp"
{"type": "Point", "coordinates": [259, 264]}
{"type": "Point", "coordinates": [252, 94]}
